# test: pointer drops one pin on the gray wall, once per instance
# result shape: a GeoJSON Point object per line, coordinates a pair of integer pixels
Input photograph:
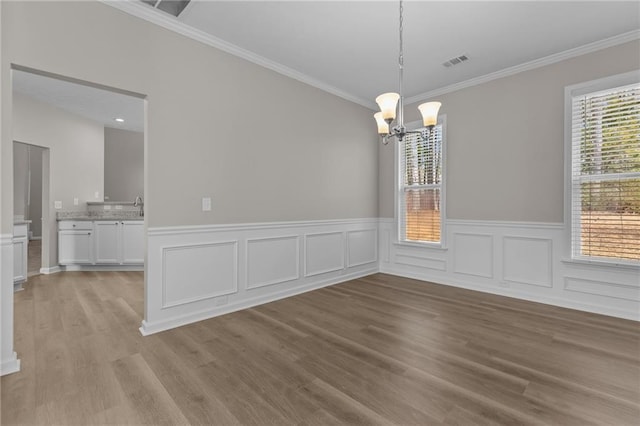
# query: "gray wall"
{"type": "Point", "coordinates": [35, 202]}
{"type": "Point", "coordinates": [76, 155]}
{"type": "Point", "coordinates": [506, 141]}
{"type": "Point", "coordinates": [20, 179]}
{"type": "Point", "coordinates": [123, 164]}
{"type": "Point", "coordinates": [264, 147]}
{"type": "Point", "coordinates": [27, 195]}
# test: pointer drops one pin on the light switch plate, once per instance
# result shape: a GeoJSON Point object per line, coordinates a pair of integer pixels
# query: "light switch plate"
{"type": "Point", "coordinates": [206, 204]}
{"type": "Point", "coordinates": [97, 195]}
{"type": "Point", "coordinates": [75, 201]}
{"type": "Point", "coordinates": [57, 204]}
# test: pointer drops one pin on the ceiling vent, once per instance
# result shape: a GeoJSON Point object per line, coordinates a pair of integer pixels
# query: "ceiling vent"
{"type": "Point", "coordinates": [455, 61]}
{"type": "Point", "coordinates": [172, 7]}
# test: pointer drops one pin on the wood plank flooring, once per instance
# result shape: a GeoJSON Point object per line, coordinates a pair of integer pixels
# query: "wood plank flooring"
{"type": "Point", "coordinates": [377, 350]}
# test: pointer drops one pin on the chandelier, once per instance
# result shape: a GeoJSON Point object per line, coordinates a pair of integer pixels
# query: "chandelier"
{"type": "Point", "coordinates": [390, 102]}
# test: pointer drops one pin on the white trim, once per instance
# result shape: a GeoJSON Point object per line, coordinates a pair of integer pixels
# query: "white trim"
{"type": "Point", "coordinates": [399, 194]}
{"type": "Point", "coordinates": [169, 22]}
{"type": "Point", "coordinates": [302, 266]}
{"type": "Point", "coordinates": [281, 280]}
{"type": "Point", "coordinates": [211, 295]}
{"type": "Point", "coordinates": [51, 270]}
{"type": "Point", "coordinates": [197, 229]}
{"type": "Point", "coordinates": [549, 245]}
{"type": "Point", "coordinates": [571, 253]}
{"type": "Point", "coordinates": [597, 263]}
{"type": "Point", "coordinates": [517, 294]}
{"type": "Point", "coordinates": [527, 66]}
{"type": "Point", "coordinates": [6, 239]}
{"type": "Point", "coordinates": [148, 328]}
{"type": "Point", "coordinates": [611, 290]}
{"type": "Point", "coordinates": [506, 224]}
{"type": "Point", "coordinates": [9, 366]}
{"type": "Point", "coordinates": [92, 268]}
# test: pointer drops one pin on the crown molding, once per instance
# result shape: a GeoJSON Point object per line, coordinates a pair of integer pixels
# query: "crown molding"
{"type": "Point", "coordinates": [147, 13]}
{"type": "Point", "coordinates": [142, 11]}
{"type": "Point", "coordinates": [537, 63]}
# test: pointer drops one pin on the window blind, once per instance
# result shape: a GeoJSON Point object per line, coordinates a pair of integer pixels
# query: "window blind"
{"type": "Point", "coordinates": [421, 186]}
{"type": "Point", "coordinates": [605, 184]}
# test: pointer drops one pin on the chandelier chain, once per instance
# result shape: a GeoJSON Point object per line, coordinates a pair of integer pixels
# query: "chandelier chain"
{"type": "Point", "coordinates": [401, 56]}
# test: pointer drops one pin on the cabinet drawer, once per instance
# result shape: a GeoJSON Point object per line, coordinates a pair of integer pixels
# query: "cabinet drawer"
{"type": "Point", "coordinates": [75, 225]}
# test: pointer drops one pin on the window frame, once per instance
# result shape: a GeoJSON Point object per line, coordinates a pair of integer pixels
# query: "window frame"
{"type": "Point", "coordinates": [571, 253]}
{"type": "Point", "coordinates": [399, 193]}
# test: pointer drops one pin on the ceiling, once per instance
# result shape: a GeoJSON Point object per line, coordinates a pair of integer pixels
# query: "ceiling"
{"type": "Point", "coordinates": [350, 48]}
{"type": "Point", "coordinates": [86, 101]}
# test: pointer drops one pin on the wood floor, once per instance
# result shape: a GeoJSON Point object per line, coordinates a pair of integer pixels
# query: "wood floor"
{"type": "Point", "coordinates": [377, 350]}
{"type": "Point", "coordinates": [34, 257]}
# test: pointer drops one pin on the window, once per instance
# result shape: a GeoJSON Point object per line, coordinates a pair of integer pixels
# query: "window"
{"type": "Point", "coordinates": [605, 171]}
{"type": "Point", "coordinates": [420, 195]}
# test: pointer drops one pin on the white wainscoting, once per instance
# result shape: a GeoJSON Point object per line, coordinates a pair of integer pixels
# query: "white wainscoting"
{"type": "Point", "coordinates": [522, 260]}
{"type": "Point", "coordinates": [9, 362]}
{"type": "Point", "coordinates": [195, 273]}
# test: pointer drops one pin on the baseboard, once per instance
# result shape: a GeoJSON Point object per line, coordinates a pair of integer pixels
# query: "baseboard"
{"type": "Point", "coordinates": [51, 270]}
{"type": "Point", "coordinates": [9, 366]}
{"type": "Point", "coordinates": [147, 328]}
{"type": "Point", "coordinates": [101, 268]}
{"type": "Point", "coordinates": [537, 298]}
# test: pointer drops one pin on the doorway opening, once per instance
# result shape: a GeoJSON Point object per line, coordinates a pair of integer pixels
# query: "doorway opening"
{"type": "Point", "coordinates": [30, 194]}
{"type": "Point", "coordinates": [86, 144]}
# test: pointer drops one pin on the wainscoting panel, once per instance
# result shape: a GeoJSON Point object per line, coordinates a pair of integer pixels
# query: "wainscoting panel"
{"type": "Point", "coordinates": [522, 260]}
{"type": "Point", "coordinates": [195, 273]}
{"type": "Point", "coordinates": [9, 362]}
{"type": "Point", "coordinates": [421, 261]}
{"type": "Point", "coordinates": [362, 247]}
{"type": "Point", "coordinates": [272, 261]}
{"type": "Point", "coordinates": [473, 254]}
{"type": "Point", "coordinates": [600, 288]}
{"type": "Point", "coordinates": [324, 252]}
{"type": "Point", "coordinates": [527, 260]}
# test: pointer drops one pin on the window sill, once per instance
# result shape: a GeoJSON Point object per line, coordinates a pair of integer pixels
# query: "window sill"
{"type": "Point", "coordinates": [611, 264]}
{"type": "Point", "coordinates": [425, 245]}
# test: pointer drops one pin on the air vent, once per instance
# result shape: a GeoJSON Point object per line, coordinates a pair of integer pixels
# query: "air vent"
{"type": "Point", "coordinates": [172, 7]}
{"type": "Point", "coordinates": [455, 61]}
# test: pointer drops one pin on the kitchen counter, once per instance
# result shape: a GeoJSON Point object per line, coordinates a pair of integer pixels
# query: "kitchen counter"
{"type": "Point", "coordinates": [99, 215]}
{"type": "Point", "coordinates": [21, 222]}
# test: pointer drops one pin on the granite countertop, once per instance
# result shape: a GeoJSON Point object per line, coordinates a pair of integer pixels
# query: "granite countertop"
{"type": "Point", "coordinates": [101, 215]}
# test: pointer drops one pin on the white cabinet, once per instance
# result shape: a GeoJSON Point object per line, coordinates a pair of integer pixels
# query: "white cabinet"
{"type": "Point", "coordinates": [133, 242]}
{"type": "Point", "coordinates": [75, 242]}
{"type": "Point", "coordinates": [108, 240]}
{"type": "Point", "coordinates": [119, 242]}
{"type": "Point", "coordinates": [101, 242]}
{"type": "Point", "coordinates": [20, 252]}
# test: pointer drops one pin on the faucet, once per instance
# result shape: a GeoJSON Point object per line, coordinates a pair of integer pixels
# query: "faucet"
{"type": "Point", "coordinates": [138, 203]}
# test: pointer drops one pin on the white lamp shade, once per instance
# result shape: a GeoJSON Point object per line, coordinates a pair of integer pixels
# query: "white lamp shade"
{"type": "Point", "coordinates": [383, 126]}
{"type": "Point", "coordinates": [388, 103]}
{"type": "Point", "coordinates": [429, 113]}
